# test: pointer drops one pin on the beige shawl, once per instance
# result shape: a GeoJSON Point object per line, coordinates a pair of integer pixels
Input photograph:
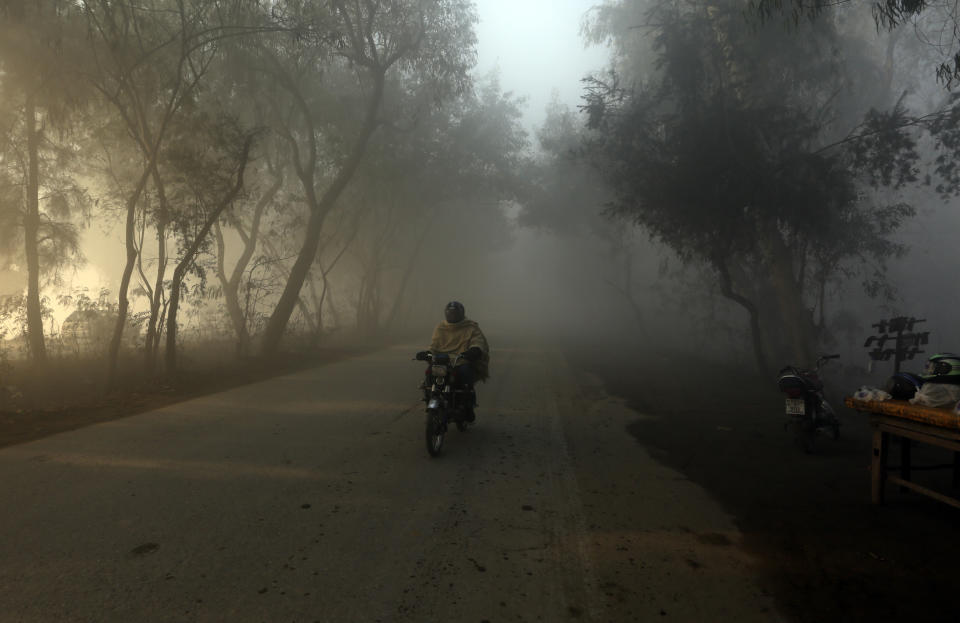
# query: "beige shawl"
{"type": "Point", "coordinates": [455, 338]}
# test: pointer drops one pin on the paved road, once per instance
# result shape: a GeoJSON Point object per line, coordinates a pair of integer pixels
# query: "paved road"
{"type": "Point", "coordinates": [311, 497]}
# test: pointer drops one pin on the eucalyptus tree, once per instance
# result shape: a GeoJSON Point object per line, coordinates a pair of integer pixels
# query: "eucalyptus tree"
{"type": "Point", "coordinates": [439, 184]}
{"type": "Point", "coordinates": [347, 66]}
{"type": "Point", "coordinates": [339, 238]}
{"type": "Point", "coordinates": [567, 196]}
{"type": "Point", "coordinates": [470, 168]}
{"type": "Point", "coordinates": [246, 220]}
{"type": "Point", "coordinates": [144, 68]}
{"type": "Point", "coordinates": [150, 60]}
{"type": "Point", "coordinates": [723, 153]}
{"type": "Point", "coordinates": [39, 41]}
{"type": "Point", "coordinates": [936, 24]}
{"type": "Point", "coordinates": [211, 179]}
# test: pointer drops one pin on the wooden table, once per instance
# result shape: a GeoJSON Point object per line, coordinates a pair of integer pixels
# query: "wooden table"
{"type": "Point", "coordinates": [937, 427]}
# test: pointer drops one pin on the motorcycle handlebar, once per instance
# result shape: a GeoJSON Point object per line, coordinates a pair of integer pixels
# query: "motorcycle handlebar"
{"type": "Point", "coordinates": [428, 356]}
{"type": "Point", "coordinates": [824, 359]}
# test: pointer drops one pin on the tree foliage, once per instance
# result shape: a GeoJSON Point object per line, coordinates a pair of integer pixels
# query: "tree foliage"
{"type": "Point", "coordinates": [936, 23]}
{"type": "Point", "coordinates": [36, 38]}
{"type": "Point", "coordinates": [370, 136]}
{"type": "Point", "coordinates": [724, 156]}
{"type": "Point", "coordinates": [435, 188]}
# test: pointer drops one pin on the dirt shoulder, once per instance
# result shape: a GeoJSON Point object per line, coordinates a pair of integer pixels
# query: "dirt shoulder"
{"type": "Point", "coordinates": [826, 553]}
{"type": "Point", "coordinates": [67, 398]}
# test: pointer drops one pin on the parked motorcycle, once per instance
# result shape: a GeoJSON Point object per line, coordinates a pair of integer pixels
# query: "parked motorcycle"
{"type": "Point", "coordinates": [445, 401]}
{"type": "Point", "coordinates": [808, 412]}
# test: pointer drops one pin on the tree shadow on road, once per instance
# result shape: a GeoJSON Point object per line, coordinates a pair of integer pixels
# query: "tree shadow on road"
{"type": "Point", "coordinates": [826, 553]}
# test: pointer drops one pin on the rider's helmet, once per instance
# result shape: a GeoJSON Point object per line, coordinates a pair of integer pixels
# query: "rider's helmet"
{"type": "Point", "coordinates": [454, 312]}
{"type": "Point", "coordinates": [903, 385]}
{"type": "Point", "coordinates": [942, 368]}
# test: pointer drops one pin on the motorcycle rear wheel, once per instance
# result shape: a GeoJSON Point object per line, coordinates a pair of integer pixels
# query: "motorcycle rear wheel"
{"type": "Point", "coordinates": [804, 434]}
{"type": "Point", "coordinates": [434, 433]}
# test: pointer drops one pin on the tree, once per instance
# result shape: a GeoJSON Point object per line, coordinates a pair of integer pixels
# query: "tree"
{"type": "Point", "coordinates": [228, 150]}
{"type": "Point", "coordinates": [150, 59]}
{"type": "Point", "coordinates": [566, 196]}
{"type": "Point", "coordinates": [430, 42]}
{"type": "Point", "coordinates": [723, 158]}
{"type": "Point", "coordinates": [146, 77]}
{"type": "Point", "coordinates": [438, 186]}
{"type": "Point", "coordinates": [36, 39]}
{"type": "Point", "coordinates": [936, 22]}
{"type": "Point", "coordinates": [340, 238]}
{"type": "Point", "coordinates": [248, 229]}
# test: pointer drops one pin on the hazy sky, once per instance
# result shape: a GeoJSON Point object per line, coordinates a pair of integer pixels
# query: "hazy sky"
{"type": "Point", "coordinates": [538, 48]}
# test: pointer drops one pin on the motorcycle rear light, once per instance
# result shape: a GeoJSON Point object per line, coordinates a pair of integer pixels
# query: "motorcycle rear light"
{"type": "Point", "coordinates": [793, 392]}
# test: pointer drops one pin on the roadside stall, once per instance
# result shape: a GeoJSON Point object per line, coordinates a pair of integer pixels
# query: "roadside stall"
{"type": "Point", "coordinates": [911, 423]}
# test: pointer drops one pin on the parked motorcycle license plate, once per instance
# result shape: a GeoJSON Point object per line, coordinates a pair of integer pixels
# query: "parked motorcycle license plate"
{"type": "Point", "coordinates": [796, 406]}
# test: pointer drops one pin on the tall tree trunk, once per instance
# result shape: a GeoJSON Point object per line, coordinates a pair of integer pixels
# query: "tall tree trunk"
{"type": "Point", "coordinates": [31, 229]}
{"type": "Point", "coordinates": [306, 312]}
{"type": "Point", "coordinates": [231, 285]}
{"type": "Point", "coordinates": [181, 270]}
{"type": "Point", "coordinates": [152, 342]}
{"type": "Point", "coordinates": [361, 303]}
{"type": "Point", "coordinates": [150, 148]}
{"type": "Point", "coordinates": [231, 297]}
{"type": "Point", "coordinates": [796, 319]}
{"type": "Point", "coordinates": [368, 299]}
{"type": "Point", "coordinates": [318, 212]}
{"type": "Point", "coordinates": [331, 306]}
{"type": "Point", "coordinates": [626, 291]}
{"type": "Point", "coordinates": [325, 277]}
{"type": "Point", "coordinates": [170, 357]}
{"type": "Point", "coordinates": [318, 308]}
{"type": "Point", "coordinates": [756, 335]}
{"type": "Point", "coordinates": [133, 109]}
{"type": "Point", "coordinates": [122, 303]}
{"type": "Point", "coordinates": [408, 272]}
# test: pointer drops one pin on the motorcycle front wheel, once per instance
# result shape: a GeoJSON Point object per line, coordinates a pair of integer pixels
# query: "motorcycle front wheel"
{"type": "Point", "coordinates": [835, 430]}
{"type": "Point", "coordinates": [434, 432]}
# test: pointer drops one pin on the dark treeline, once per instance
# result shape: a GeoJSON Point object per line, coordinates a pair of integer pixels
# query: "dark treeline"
{"type": "Point", "coordinates": [289, 168]}
{"type": "Point", "coordinates": [778, 159]}
{"type": "Point", "coordinates": [246, 147]}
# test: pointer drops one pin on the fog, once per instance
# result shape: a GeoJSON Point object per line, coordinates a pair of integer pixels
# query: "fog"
{"type": "Point", "coordinates": [508, 159]}
{"type": "Point", "coordinates": [230, 228]}
{"type": "Point", "coordinates": [536, 49]}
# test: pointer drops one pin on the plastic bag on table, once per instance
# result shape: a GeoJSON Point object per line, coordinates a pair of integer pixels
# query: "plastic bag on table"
{"type": "Point", "coordinates": [866, 393]}
{"type": "Point", "coordinates": [936, 395]}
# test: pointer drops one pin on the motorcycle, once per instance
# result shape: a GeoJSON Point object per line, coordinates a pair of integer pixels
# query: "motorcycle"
{"type": "Point", "coordinates": [808, 412]}
{"type": "Point", "coordinates": [446, 402]}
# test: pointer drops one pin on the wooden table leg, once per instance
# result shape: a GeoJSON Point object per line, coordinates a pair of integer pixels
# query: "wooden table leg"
{"type": "Point", "coordinates": [956, 470]}
{"type": "Point", "coordinates": [904, 461]}
{"type": "Point", "coordinates": [878, 465]}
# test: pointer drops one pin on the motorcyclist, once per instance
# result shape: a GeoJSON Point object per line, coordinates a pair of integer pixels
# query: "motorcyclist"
{"type": "Point", "coordinates": [458, 335]}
